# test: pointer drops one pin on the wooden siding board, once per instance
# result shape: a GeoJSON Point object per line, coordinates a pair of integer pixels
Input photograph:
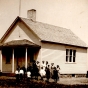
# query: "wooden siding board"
{"type": "Point", "coordinates": [57, 54]}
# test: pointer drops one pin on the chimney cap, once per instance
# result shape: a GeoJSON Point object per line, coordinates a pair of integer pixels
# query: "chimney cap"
{"type": "Point", "coordinates": [32, 10]}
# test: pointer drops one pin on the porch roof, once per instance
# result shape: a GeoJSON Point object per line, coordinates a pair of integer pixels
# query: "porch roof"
{"type": "Point", "coordinates": [17, 43]}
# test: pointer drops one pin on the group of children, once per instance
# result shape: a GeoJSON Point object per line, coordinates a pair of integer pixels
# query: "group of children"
{"type": "Point", "coordinates": [34, 70]}
{"type": "Point", "coordinates": [49, 71]}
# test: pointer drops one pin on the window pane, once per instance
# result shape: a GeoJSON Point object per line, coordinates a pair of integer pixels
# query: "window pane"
{"type": "Point", "coordinates": [74, 55]}
{"type": "Point", "coordinates": [67, 51]}
{"type": "Point", "coordinates": [74, 52]}
{"type": "Point", "coordinates": [73, 59]}
{"type": "Point", "coordinates": [70, 59]}
{"type": "Point", "coordinates": [70, 52]}
{"type": "Point", "coordinates": [66, 58]}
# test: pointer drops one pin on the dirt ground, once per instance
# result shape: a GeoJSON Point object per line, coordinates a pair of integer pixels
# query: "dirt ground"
{"type": "Point", "coordinates": [73, 81]}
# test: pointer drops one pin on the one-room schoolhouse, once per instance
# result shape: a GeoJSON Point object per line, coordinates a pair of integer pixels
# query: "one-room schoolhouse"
{"type": "Point", "coordinates": [27, 40]}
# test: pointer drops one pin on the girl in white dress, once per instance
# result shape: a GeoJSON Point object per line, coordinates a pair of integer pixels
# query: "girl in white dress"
{"type": "Point", "coordinates": [42, 73]}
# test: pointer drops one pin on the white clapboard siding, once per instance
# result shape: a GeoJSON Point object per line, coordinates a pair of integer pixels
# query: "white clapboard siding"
{"type": "Point", "coordinates": [55, 53]}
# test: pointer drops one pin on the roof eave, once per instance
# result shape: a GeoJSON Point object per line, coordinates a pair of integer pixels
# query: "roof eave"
{"type": "Point", "coordinates": [64, 44]}
{"type": "Point", "coordinates": [8, 30]}
{"type": "Point", "coordinates": [16, 43]}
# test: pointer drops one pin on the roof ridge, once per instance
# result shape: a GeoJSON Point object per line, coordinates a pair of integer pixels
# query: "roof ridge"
{"type": "Point", "coordinates": [44, 23]}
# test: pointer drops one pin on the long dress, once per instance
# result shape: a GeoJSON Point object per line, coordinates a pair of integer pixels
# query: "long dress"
{"type": "Point", "coordinates": [42, 72]}
{"type": "Point", "coordinates": [48, 74]}
{"type": "Point", "coordinates": [43, 65]}
{"type": "Point", "coordinates": [55, 75]}
{"type": "Point", "coordinates": [58, 73]}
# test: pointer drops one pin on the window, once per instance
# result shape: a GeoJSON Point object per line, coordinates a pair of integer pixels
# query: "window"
{"type": "Point", "coordinates": [7, 53]}
{"type": "Point", "coordinates": [70, 55]}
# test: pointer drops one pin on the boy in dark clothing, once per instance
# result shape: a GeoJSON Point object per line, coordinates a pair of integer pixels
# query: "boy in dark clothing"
{"type": "Point", "coordinates": [55, 74]}
{"type": "Point", "coordinates": [24, 69]}
{"type": "Point", "coordinates": [47, 73]}
{"type": "Point", "coordinates": [17, 75]}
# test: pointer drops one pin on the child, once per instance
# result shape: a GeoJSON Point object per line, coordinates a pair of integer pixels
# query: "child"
{"type": "Point", "coordinates": [42, 73]}
{"type": "Point", "coordinates": [21, 74]}
{"type": "Point", "coordinates": [55, 74]}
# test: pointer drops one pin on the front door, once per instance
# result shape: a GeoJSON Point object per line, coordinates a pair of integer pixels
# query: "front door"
{"type": "Point", "coordinates": [20, 57]}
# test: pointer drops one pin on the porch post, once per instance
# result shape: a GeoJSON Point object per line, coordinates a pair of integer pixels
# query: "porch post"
{"type": "Point", "coordinates": [87, 64]}
{"type": "Point", "coordinates": [1, 60]}
{"type": "Point", "coordinates": [41, 55]}
{"type": "Point", "coordinates": [26, 59]}
{"type": "Point", "coordinates": [13, 61]}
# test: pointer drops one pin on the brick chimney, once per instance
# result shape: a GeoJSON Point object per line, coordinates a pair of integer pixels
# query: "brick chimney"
{"type": "Point", "coordinates": [31, 14]}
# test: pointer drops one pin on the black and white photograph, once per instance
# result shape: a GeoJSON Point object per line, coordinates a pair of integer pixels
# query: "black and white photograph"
{"type": "Point", "coordinates": [43, 43]}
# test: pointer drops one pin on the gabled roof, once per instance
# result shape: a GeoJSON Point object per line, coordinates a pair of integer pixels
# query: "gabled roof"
{"type": "Point", "coordinates": [50, 33]}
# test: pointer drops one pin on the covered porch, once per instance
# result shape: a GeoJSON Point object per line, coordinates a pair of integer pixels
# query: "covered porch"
{"type": "Point", "coordinates": [17, 52]}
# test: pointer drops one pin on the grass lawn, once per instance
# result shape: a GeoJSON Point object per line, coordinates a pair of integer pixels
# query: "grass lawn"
{"type": "Point", "coordinates": [10, 82]}
{"type": "Point", "coordinates": [66, 81]}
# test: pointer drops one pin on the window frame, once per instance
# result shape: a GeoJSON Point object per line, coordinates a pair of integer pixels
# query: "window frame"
{"type": "Point", "coordinates": [70, 55]}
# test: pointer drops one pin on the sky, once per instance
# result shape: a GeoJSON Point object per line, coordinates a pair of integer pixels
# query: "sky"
{"type": "Point", "coordinates": [70, 14]}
